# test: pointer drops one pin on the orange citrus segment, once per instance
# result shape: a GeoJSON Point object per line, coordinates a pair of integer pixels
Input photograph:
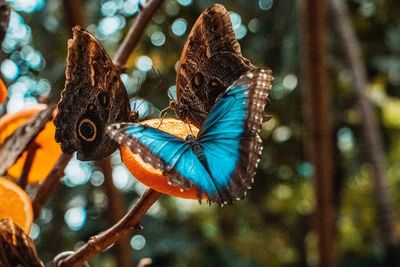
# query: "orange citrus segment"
{"type": "Point", "coordinates": [47, 149]}
{"type": "Point", "coordinates": [15, 204]}
{"type": "Point", "coordinates": [150, 176]}
{"type": "Point", "coordinates": [3, 92]}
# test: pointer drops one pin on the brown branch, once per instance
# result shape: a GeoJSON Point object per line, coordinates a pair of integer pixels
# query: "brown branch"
{"type": "Point", "coordinates": [116, 210]}
{"type": "Point", "coordinates": [105, 239]}
{"type": "Point", "coordinates": [317, 110]}
{"type": "Point", "coordinates": [135, 33]}
{"type": "Point", "coordinates": [49, 185]}
{"type": "Point", "coordinates": [369, 123]}
{"type": "Point", "coordinates": [74, 13]}
{"type": "Point", "coordinates": [31, 152]}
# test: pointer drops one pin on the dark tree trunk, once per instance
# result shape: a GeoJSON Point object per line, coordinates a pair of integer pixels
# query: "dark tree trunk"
{"type": "Point", "coordinates": [317, 110]}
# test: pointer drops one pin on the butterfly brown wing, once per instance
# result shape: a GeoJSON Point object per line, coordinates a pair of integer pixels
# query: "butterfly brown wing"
{"type": "Point", "coordinates": [211, 60]}
{"type": "Point", "coordinates": [16, 247]}
{"type": "Point", "coordinates": [94, 96]}
{"type": "Point", "coordinates": [13, 147]}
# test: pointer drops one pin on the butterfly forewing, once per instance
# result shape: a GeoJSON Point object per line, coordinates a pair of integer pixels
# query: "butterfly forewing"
{"type": "Point", "coordinates": [94, 96]}
{"type": "Point", "coordinates": [210, 61]}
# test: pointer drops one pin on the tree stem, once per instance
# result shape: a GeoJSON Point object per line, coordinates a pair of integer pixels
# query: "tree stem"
{"type": "Point", "coordinates": [116, 210]}
{"type": "Point", "coordinates": [31, 152]}
{"type": "Point", "coordinates": [369, 123]}
{"type": "Point", "coordinates": [135, 33]}
{"type": "Point", "coordinates": [317, 110]}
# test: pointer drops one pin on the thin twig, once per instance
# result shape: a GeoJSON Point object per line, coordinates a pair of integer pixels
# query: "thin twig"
{"type": "Point", "coordinates": [49, 185]}
{"type": "Point", "coordinates": [369, 123]}
{"type": "Point", "coordinates": [105, 239]}
{"type": "Point", "coordinates": [317, 110]}
{"type": "Point", "coordinates": [116, 210]}
{"type": "Point", "coordinates": [135, 33]}
{"type": "Point", "coordinates": [31, 152]}
{"type": "Point", "coordinates": [73, 11]}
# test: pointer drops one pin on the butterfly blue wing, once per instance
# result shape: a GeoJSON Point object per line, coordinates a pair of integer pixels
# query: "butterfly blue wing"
{"type": "Point", "coordinates": [230, 137]}
{"type": "Point", "coordinates": [166, 152]}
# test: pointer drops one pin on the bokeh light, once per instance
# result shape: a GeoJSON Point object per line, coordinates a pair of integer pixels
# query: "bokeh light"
{"type": "Point", "coordinates": [27, 6]}
{"type": "Point", "coordinates": [240, 32]}
{"type": "Point", "coordinates": [121, 177]}
{"type": "Point", "coordinates": [281, 133]}
{"type": "Point", "coordinates": [110, 25]}
{"type": "Point", "coordinates": [75, 218]}
{"type": "Point", "coordinates": [305, 169]}
{"type": "Point", "coordinates": [179, 27]}
{"type": "Point", "coordinates": [265, 4]}
{"type": "Point", "coordinates": [97, 178]}
{"type": "Point", "coordinates": [172, 92]}
{"type": "Point", "coordinates": [144, 63]}
{"type": "Point", "coordinates": [236, 20]}
{"type": "Point", "coordinates": [130, 7]}
{"type": "Point", "coordinates": [138, 242]}
{"type": "Point", "coordinates": [9, 69]}
{"type": "Point", "coordinates": [254, 25]}
{"type": "Point", "coordinates": [185, 2]}
{"type": "Point", "coordinates": [158, 38]}
{"type": "Point", "coordinates": [345, 140]}
{"type": "Point", "coordinates": [109, 9]}
{"type": "Point", "coordinates": [290, 82]}
{"type": "Point", "coordinates": [35, 231]}
{"type": "Point", "coordinates": [77, 173]}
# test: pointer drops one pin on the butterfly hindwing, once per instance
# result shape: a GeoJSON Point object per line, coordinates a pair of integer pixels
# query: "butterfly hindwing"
{"type": "Point", "coordinates": [210, 61]}
{"type": "Point", "coordinates": [230, 134]}
{"type": "Point", "coordinates": [229, 142]}
{"type": "Point", "coordinates": [94, 96]}
{"type": "Point", "coordinates": [165, 152]}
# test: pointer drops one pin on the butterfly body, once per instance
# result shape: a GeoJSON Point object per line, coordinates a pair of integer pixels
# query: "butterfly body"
{"type": "Point", "coordinates": [211, 60]}
{"type": "Point", "coordinates": [222, 159]}
{"type": "Point", "coordinates": [94, 96]}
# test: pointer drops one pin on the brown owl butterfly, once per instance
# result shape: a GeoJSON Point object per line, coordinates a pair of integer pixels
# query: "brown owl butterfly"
{"type": "Point", "coordinates": [210, 62]}
{"type": "Point", "coordinates": [93, 97]}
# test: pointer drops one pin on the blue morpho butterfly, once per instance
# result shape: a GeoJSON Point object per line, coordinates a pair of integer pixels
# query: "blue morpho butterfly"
{"type": "Point", "coordinates": [222, 160]}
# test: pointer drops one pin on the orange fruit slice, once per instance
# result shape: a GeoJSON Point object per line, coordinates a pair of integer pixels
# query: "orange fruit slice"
{"type": "Point", "coordinates": [47, 151]}
{"type": "Point", "coordinates": [150, 176]}
{"type": "Point", "coordinates": [15, 204]}
{"type": "Point", "coordinates": [3, 92]}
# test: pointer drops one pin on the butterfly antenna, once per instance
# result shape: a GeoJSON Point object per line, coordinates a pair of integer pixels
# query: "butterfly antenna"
{"type": "Point", "coordinates": [163, 113]}
{"type": "Point", "coordinates": [139, 84]}
{"type": "Point", "coordinates": [190, 128]}
{"type": "Point", "coordinates": [159, 82]}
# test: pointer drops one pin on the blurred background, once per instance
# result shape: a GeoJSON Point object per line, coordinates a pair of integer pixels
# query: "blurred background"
{"type": "Point", "coordinates": [274, 225]}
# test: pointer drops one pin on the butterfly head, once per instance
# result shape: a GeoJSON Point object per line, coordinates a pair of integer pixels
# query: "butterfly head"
{"type": "Point", "coordinates": [180, 109]}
